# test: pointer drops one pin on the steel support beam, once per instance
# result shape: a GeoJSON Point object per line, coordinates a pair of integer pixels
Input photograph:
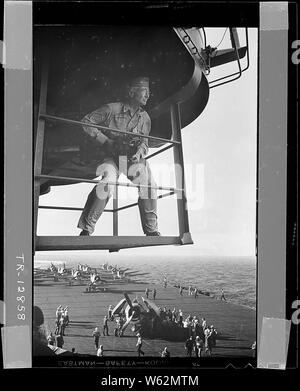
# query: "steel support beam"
{"type": "Point", "coordinates": [112, 243]}
{"type": "Point", "coordinates": [183, 219]}
{"type": "Point", "coordinates": [39, 143]}
{"type": "Point", "coordinates": [115, 212]}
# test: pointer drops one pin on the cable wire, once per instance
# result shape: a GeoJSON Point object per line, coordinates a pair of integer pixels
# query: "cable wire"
{"type": "Point", "coordinates": [222, 38]}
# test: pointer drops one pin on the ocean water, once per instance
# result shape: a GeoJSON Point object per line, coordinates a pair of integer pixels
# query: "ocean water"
{"type": "Point", "coordinates": [235, 275]}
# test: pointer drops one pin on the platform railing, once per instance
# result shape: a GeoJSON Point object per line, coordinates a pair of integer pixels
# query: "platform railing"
{"type": "Point", "coordinates": [235, 45]}
{"type": "Point", "coordinates": [105, 210]}
{"type": "Point", "coordinates": [96, 181]}
{"type": "Point", "coordinates": [113, 243]}
{"type": "Point", "coordinates": [122, 132]}
{"type": "Point", "coordinates": [115, 209]}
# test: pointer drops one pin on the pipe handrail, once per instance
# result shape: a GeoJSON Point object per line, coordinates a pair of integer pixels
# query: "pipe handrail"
{"type": "Point", "coordinates": [72, 121]}
{"type": "Point", "coordinates": [51, 207]}
{"type": "Point", "coordinates": [158, 152]}
{"type": "Point", "coordinates": [239, 73]}
{"type": "Point", "coordinates": [70, 179]}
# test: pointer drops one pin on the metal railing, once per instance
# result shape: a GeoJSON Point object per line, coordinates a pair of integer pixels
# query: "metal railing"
{"type": "Point", "coordinates": [239, 73]}
{"type": "Point", "coordinates": [72, 121]}
{"type": "Point", "coordinates": [171, 190]}
{"type": "Point", "coordinates": [105, 210]}
{"type": "Point", "coordinates": [75, 180]}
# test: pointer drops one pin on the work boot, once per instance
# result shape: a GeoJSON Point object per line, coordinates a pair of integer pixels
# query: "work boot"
{"type": "Point", "coordinates": [84, 233]}
{"type": "Point", "coordinates": [155, 233]}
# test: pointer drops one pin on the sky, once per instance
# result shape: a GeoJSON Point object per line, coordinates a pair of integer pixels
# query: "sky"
{"type": "Point", "coordinates": [220, 153]}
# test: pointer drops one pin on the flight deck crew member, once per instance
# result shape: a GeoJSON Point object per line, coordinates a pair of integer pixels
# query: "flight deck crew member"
{"type": "Point", "coordinates": [139, 345]}
{"type": "Point", "coordinates": [154, 294]}
{"type": "Point", "coordinates": [222, 295]}
{"type": "Point", "coordinates": [59, 341]}
{"type": "Point", "coordinates": [214, 334]}
{"type": "Point", "coordinates": [165, 282]}
{"type": "Point", "coordinates": [165, 353]}
{"type": "Point", "coordinates": [130, 117]}
{"type": "Point", "coordinates": [66, 315]}
{"type": "Point", "coordinates": [189, 345]}
{"type": "Point", "coordinates": [62, 325]}
{"type": "Point", "coordinates": [100, 351]}
{"type": "Point", "coordinates": [110, 310]}
{"type": "Point", "coordinates": [96, 335]}
{"type": "Point", "coordinates": [51, 339]}
{"type": "Point", "coordinates": [105, 325]}
{"type": "Point", "coordinates": [147, 292]}
{"type": "Point", "coordinates": [195, 293]}
{"type": "Point", "coordinates": [198, 346]}
{"type": "Point", "coordinates": [180, 319]}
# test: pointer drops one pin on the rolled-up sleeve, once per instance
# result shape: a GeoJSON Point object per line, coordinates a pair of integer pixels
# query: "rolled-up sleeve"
{"type": "Point", "coordinates": [97, 117]}
{"type": "Point", "coordinates": [143, 146]}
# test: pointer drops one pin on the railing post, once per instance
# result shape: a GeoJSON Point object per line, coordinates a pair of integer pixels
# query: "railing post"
{"type": "Point", "coordinates": [183, 219]}
{"type": "Point", "coordinates": [115, 212]}
{"type": "Point", "coordinates": [234, 38]}
{"type": "Point", "coordinates": [39, 142]}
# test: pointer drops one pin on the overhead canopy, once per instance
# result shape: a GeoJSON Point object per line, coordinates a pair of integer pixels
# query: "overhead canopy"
{"type": "Point", "coordinates": [90, 66]}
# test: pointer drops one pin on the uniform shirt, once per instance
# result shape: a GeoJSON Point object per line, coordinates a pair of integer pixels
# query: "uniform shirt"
{"type": "Point", "coordinates": [199, 343]}
{"type": "Point", "coordinates": [51, 339]}
{"type": "Point", "coordinates": [96, 334]}
{"type": "Point", "coordinates": [189, 343]}
{"type": "Point", "coordinates": [119, 116]}
{"type": "Point", "coordinates": [59, 341]}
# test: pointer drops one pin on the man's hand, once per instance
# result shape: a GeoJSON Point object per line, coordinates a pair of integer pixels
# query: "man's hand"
{"type": "Point", "coordinates": [135, 158]}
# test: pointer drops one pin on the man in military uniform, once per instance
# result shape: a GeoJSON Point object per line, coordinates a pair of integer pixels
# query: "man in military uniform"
{"type": "Point", "coordinates": [123, 154]}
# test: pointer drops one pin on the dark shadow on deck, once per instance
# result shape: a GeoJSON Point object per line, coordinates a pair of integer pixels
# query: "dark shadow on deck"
{"type": "Point", "coordinates": [119, 350]}
{"type": "Point", "coordinates": [233, 347]}
{"type": "Point", "coordinates": [230, 338]}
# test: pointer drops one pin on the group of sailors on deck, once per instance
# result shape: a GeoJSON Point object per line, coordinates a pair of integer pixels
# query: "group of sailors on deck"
{"type": "Point", "coordinates": [61, 322]}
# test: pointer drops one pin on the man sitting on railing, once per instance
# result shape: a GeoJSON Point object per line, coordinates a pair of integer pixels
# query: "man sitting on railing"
{"type": "Point", "coordinates": [123, 154]}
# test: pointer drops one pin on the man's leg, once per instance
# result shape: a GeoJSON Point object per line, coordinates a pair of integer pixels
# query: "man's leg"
{"type": "Point", "coordinates": [98, 197]}
{"type": "Point", "coordinates": [140, 174]}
